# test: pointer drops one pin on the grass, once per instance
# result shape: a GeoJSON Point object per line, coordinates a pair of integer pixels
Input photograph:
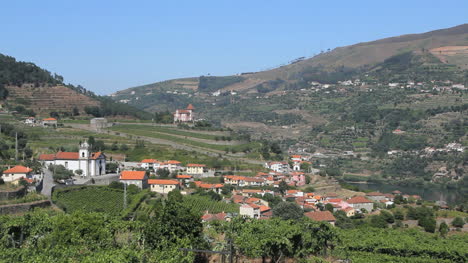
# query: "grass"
{"type": "Point", "coordinates": [30, 197]}
{"type": "Point", "coordinates": [201, 204]}
{"type": "Point", "coordinates": [169, 131]}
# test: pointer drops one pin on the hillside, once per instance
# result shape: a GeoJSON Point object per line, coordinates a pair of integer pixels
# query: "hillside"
{"type": "Point", "coordinates": [29, 89]}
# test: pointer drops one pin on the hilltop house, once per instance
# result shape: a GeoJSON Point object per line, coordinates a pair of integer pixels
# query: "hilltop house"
{"type": "Point", "coordinates": [279, 167]}
{"type": "Point", "coordinates": [91, 164]}
{"type": "Point", "coordinates": [184, 115]}
{"type": "Point", "coordinates": [151, 164]}
{"type": "Point", "coordinates": [137, 178]}
{"type": "Point", "coordinates": [171, 165]}
{"type": "Point", "coordinates": [163, 186]}
{"type": "Point", "coordinates": [49, 122]}
{"type": "Point", "coordinates": [13, 175]}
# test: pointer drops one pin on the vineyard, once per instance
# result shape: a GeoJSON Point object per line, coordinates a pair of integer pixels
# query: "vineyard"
{"type": "Point", "coordinates": [203, 203]}
{"type": "Point", "coordinates": [376, 245]}
{"type": "Point", "coordinates": [90, 199]}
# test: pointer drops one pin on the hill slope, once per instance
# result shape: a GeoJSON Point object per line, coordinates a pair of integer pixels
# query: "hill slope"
{"type": "Point", "coordinates": [28, 88]}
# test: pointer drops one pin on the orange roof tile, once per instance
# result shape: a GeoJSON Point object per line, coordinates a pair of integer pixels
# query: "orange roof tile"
{"type": "Point", "coordinates": [132, 175]}
{"type": "Point", "coordinates": [321, 216]}
{"type": "Point", "coordinates": [173, 162]}
{"type": "Point", "coordinates": [374, 194]}
{"type": "Point", "coordinates": [49, 119]}
{"type": "Point", "coordinates": [47, 157]}
{"type": "Point", "coordinates": [183, 176]}
{"type": "Point", "coordinates": [19, 169]}
{"type": "Point", "coordinates": [358, 200]}
{"type": "Point", "coordinates": [190, 107]}
{"type": "Point", "coordinates": [162, 181]}
{"type": "Point", "coordinates": [67, 155]}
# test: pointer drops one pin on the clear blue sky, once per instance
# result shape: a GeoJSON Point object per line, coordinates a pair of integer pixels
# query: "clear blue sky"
{"type": "Point", "coordinates": [111, 45]}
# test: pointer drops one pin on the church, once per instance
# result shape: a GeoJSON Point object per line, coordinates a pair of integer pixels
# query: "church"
{"type": "Point", "coordinates": [91, 164]}
{"type": "Point", "coordinates": [186, 115]}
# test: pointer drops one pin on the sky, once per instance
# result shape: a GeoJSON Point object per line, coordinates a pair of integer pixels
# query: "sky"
{"type": "Point", "coordinates": [107, 46]}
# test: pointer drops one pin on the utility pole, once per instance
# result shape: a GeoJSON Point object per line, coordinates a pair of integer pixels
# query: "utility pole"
{"type": "Point", "coordinates": [16, 146]}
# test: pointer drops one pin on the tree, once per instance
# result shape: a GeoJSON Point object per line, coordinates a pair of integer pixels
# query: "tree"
{"type": "Point", "coordinates": [329, 207]}
{"type": "Point", "coordinates": [378, 221]}
{"type": "Point", "coordinates": [458, 222]}
{"type": "Point", "coordinates": [60, 172]}
{"type": "Point", "coordinates": [387, 216]}
{"type": "Point", "coordinates": [79, 172]}
{"type": "Point", "coordinates": [399, 215]}
{"type": "Point", "coordinates": [283, 187]}
{"type": "Point", "coordinates": [163, 173]}
{"type": "Point", "coordinates": [287, 211]}
{"type": "Point", "coordinates": [443, 229]}
{"type": "Point", "coordinates": [428, 223]}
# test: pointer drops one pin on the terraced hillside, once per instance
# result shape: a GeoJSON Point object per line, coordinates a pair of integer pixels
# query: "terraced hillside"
{"type": "Point", "coordinates": [44, 99]}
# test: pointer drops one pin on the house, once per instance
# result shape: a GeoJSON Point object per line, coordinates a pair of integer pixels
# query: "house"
{"type": "Point", "coordinates": [184, 115]}
{"type": "Point", "coordinates": [163, 186]}
{"type": "Point", "coordinates": [137, 178]}
{"type": "Point", "coordinates": [324, 216]}
{"type": "Point", "coordinates": [217, 188]}
{"type": "Point", "coordinates": [280, 167]}
{"type": "Point", "coordinates": [49, 122]}
{"type": "Point", "coordinates": [193, 168]}
{"type": "Point", "coordinates": [250, 210]}
{"type": "Point", "coordinates": [30, 121]}
{"type": "Point", "coordinates": [89, 163]}
{"type": "Point", "coordinates": [184, 178]}
{"type": "Point", "coordinates": [360, 202]}
{"type": "Point", "coordinates": [171, 165]}
{"type": "Point", "coordinates": [376, 196]}
{"type": "Point", "coordinates": [150, 164]}
{"type": "Point", "coordinates": [14, 174]}
{"type": "Point", "coordinates": [210, 217]}
{"type": "Point", "coordinates": [234, 180]}
{"type": "Point", "coordinates": [349, 211]}
{"type": "Point", "coordinates": [298, 178]}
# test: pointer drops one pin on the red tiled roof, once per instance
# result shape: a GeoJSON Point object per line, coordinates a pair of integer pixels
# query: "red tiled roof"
{"type": "Point", "coordinates": [47, 157]}
{"type": "Point", "coordinates": [49, 119]}
{"type": "Point", "coordinates": [252, 200]}
{"type": "Point", "coordinates": [162, 181]}
{"type": "Point", "coordinates": [67, 155]}
{"type": "Point", "coordinates": [253, 179]}
{"type": "Point", "coordinates": [173, 162]}
{"type": "Point", "coordinates": [335, 200]}
{"type": "Point", "coordinates": [358, 200]}
{"type": "Point", "coordinates": [19, 169]}
{"type": "Point", "coordinates": [190, 107]}
{"type": "Point", "coordinates": [132, 175]}
{"type": "Point", "coordinates": [264, 208]}
{"type": "Point", "coordinates": [183, 176]}
{"type": "Point", "coordinates": [321, 216]}
{"type": "Point", "coordinates": [251, 191]}
{"type": "Point", "coordinates": [183, 111]}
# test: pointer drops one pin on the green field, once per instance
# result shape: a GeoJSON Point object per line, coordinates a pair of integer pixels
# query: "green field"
{"type": "Point", "coordinates": [201, 204]}
{"type": "Point", "coordinates": [90, 199]}
{"type": "Point", "coordinates": [149, 132]}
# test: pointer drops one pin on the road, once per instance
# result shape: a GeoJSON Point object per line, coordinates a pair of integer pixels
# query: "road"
{"type": "Point", "coordinates": [47, 183]}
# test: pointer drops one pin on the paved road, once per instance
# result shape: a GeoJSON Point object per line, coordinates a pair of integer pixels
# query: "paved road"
{"type": "Point", "coordinates": [47, 183]}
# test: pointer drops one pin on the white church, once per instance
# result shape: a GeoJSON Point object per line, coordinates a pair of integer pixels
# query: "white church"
{"type": "Point", "coordinates": [91, 164]}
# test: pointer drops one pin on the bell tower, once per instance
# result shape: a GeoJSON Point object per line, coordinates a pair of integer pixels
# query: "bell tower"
{"type": "Point", "coordinates": [84, 150]}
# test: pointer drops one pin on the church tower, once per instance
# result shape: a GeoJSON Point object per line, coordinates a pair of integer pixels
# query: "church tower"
{"type": "Point", "coordinates": [84, 150]}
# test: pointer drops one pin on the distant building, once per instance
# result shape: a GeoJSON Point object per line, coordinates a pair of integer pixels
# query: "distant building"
{"type": "Point", "coordinates": [193, 168]}
{"type": "Point", "coordinates": [325, 216]}
{"type": "Point", "coordinates": [137, 178]}
{"type": "Point", "coordinates": [49, 122]}
{"type": "Point", "coordinates": [360, 202]}
{"type": "Point", "coordinates": [184, 115]}
{"type": "Point", "coordinates": [252, 211]}
{"type": "Point", "coordinates": [13, 175]}
{"type": "Point", "coordinates": [163, 186]}
{"type": "Point", "coordinates": [98, 124]}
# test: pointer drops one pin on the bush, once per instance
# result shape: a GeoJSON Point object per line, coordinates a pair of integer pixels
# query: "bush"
{"type": "Point", "coordinates": [458, 222]}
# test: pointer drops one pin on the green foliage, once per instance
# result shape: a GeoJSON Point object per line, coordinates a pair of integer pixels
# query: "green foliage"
{"type": "Point", "coordinates": [60, 172]}
{"type": "Point", "coordinates": [458, 222]}
{"type": "Point", "coordinates": [428, 223]}
{"type": "Point", "coordinates": [211, 84]}
{"type": "Point", "coordinates": [288, 211]}
{"type": "Point", "coordinates": [200, 204]}
{"type": "Point", "coordinates": [90, 199]}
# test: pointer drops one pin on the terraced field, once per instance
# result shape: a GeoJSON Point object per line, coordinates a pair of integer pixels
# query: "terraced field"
{"type": "Point", "coordinates": [201, 204]}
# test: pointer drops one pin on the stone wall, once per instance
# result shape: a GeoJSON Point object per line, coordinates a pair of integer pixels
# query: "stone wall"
{"type": "Point", "coordinates": [22, 208]}
{"type": "Point", "coordinates": [13, 194]}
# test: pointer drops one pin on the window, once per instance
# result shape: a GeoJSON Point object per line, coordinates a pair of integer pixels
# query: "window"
{"type": "Point", "coordinates": [82, 154]}
{"type": "Point", "coordinates": [66, 164]}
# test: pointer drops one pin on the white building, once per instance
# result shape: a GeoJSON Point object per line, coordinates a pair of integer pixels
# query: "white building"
{"type": "Point", "coordinates": [279, 167]}
{"type": "Point", "coordinates": [252, 211]}
{"type": "Point", "coordinates": [91, 164]}
{"type": "Point", "coordinates": [163, 186]}
{"type": "Point", "coordinates": [137, 178]}
{"type": "Point", "coordinates": [13, 175]}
